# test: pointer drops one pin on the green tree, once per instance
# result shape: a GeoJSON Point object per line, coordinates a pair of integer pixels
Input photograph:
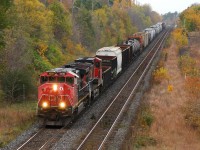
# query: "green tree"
{"type": "Point", "coordinates": [62, 26]}
{"type": "Point", "coordinates": [4, 6]}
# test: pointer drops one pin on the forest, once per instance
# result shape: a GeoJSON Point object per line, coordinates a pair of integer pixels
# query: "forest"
{"type": "Point", "coordinates": [39, 35]}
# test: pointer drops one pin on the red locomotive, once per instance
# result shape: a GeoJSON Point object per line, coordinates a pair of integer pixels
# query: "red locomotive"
{"type": "Point", "coordinates": [65, 91]}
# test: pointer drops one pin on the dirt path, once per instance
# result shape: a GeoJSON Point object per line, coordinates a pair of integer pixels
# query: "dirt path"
{"type": "Point", "coordinates": [169, 128]}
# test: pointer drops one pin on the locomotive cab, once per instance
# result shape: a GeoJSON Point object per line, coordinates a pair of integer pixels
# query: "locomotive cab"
{"type": "Point", "coordinates": [57, 93]}
{"type": "Point", "coordinates": [64, 92]}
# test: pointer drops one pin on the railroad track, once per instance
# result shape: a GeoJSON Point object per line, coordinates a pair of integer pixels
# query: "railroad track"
{"type": "Point", "coordinates": [102, 131]}
{"type": "Point", "coordinates": [44, 139]}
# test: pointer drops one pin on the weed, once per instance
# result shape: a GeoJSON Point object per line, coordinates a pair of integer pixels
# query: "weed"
{"type": "Point", "coordinates": [192, 116]}
{"type": "Point", "coordinates": [160, 74]}
{"type": "Point", "coordinates": [147, 118]}
{"type": "Point", "coordinates": [143, 141]}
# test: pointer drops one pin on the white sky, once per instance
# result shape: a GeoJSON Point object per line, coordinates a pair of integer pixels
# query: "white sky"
{"type": "Point", "coordinates": [165, 6]}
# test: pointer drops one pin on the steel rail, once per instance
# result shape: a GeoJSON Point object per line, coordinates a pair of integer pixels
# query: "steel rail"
{"type": "Point", "coordinates": [30, 139]}
{"type": "Point", "coordinates": [46, 141]}
{"type": "Point", "coordinates": [87, 136]}
{"type": "Point", "coordinates": [128, 100]}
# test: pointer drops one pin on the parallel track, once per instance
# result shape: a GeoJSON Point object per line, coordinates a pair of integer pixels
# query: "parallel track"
{"type": "Point", "coordinates": [101, 131]}
{"type": "Point", "coordinates": [45, 138]}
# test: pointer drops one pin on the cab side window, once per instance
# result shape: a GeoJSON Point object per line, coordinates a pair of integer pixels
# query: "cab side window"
{"type": "Point", "coordinates": [43, 79]}
{"type": "Point", "coordinates": [70, 80]}
{"type": "Point", "coordinates": [97, 64]}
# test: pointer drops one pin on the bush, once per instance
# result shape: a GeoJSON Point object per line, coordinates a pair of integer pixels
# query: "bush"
{"type": "Point", "coordinates": [15, 84]}
{"type": "Point", "coordinates": [160, 74]}
{"type": "Point", "coordinates": [147, 119]}
{"type": "Point", "coordinates": [180, 37]}
{"type": "Point", "coordinates": [144, 141]}
{"type": "Point", "coordinates": [187, 65]}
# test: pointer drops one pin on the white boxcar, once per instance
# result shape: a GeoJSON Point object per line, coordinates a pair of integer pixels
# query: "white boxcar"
{"type": "Point", "coordinates": [156, 28]}
{"type": "Point", "coordinates": [151, 32]}
{"type": "Point", "coordinates": [112, 51]}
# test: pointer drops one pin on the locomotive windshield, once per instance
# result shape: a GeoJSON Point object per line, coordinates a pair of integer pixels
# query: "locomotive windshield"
{"type": "Point", "coordinates": [61, 79]}
{"type": "Point", "coordinates": [52, 79]}
{"type": "Point", "coordinates": [68, 80]}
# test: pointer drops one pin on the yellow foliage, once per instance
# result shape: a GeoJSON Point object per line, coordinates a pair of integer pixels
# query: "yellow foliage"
{"type": "Point", "coordinates": [42, 48]}
{"type": "Point", "coordinates": [160, 74]}
{"type": "Point", "coordinates": [179, 36]}
{"type": "Point", "coordinates": [191, 18]}
{"type": "Point", "coordinates": [170, 88]}
{"type": "Point", "coordinates": [76, 49]}
{"type": "Point", "coordinates": [35, 17]}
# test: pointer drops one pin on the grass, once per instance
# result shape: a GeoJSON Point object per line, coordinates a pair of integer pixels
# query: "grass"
{"type": "Point", "coordinates": [144, 122]}
{"type": "Point", "coordinates": [170, 119]}
{"type": "Point", "coordinates": [14, 119]}
{"type": "Point", "coordinates": [192, 86]}
{"type": "Point", "coordinates": [143, 141]}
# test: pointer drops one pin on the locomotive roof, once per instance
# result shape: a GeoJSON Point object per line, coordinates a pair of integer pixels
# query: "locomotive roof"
{"type": "Point", "coordinates": [79, 66]}
{"type": "Point", "coordinates": [60, 70]}
{"type": "Point", "coordinates": [64, 70]}
{"type": "Point", "coordinates": [86, 58]}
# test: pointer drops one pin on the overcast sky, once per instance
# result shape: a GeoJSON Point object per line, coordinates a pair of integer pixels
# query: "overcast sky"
{"type": "Point", "coordinates": [165, 6]}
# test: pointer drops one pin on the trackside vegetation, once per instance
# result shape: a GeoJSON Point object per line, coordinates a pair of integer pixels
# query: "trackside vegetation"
{"type": "Point", "coordinates": [14, 119]}
{"type": "Point", "coordinates": [175, 110]}
{"type": "Point", "coordinates": [37, 35]}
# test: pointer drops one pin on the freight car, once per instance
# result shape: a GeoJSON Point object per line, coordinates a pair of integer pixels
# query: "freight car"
{"type": "Point", "coordinates": [65, 91]}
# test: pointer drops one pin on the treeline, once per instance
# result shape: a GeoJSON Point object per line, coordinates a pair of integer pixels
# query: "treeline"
{"type": "Point", "coordinates": [190, 18]}
{"type": "Point", "coordinates": [38, 35]}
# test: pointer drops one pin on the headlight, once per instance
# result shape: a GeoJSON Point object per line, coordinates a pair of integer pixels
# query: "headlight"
{"type": "Point", "coordinates": [44, 104]}
{"type": "Point", "coordinates": [55, 87]}
{"type": "Point", "coordinates": [62, 105]}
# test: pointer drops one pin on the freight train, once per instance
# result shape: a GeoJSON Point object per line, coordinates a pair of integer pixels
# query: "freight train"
{"type": "Point", "coordinates": [65, 91]}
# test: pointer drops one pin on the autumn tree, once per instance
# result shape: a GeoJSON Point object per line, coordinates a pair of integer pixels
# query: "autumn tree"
{"type": "Point", "coordinates": [61, 21]}
{"type": "Point", "coordinates": [26, 38]}
{"type": "Point", "coordinates": [190, 18]}
{"type": "Point", "coordinates": [180, 37]}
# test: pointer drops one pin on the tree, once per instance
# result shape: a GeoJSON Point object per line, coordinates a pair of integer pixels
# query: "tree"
{"type": "Point", "coordinates": [4, 6]}
{"type": "Point", "coordinates": [190, 18]}
{"type": "Point", "coordinates": [62, 26]}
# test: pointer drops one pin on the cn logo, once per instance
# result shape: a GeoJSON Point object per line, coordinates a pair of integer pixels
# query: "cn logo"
{"type": "Point", "coordinates": [61, 88]}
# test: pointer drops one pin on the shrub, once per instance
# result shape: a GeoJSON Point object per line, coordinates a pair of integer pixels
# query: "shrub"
{"type": "Point", "coordinates": [160, 74]}
{"type": "Point", "coordinates": [144, 141]}
{"type": "Point", "coordinates": [15, 84]}
{"type": "Point", "coordinates": [187, 65]}
{"type": "Point", "coordinates": [147, 119]}
{"type": "Point", "coordinates": [180, 37]}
